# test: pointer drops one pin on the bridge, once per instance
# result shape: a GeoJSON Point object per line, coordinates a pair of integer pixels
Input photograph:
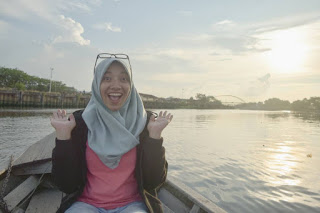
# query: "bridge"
{"type": "Point", "coordinates": [229, 99]}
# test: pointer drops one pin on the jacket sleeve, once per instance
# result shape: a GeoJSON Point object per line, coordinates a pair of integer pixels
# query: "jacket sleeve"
{"type": "Point", "coordinates": [154, 164]}
{"type": "Point", "coordinates": [66, 163]}
{"type": "Point", "coordinates": [66, 170]}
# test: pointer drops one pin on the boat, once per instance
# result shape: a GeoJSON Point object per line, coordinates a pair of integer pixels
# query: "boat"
{"type": "Point", "coordinates": [26, 186]}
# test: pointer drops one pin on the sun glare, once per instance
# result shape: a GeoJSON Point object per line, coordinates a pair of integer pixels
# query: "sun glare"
{"type": "Point", "coordinates": [288, 51]}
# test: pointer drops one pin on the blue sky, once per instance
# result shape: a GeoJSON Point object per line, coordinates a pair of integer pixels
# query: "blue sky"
{"type": "Point", "coordinates": [252, 49]}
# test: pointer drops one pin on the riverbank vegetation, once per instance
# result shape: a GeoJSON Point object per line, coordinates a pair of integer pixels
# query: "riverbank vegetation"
{"type": "Point", "coordinates": [17, 80]}
{"type": "Point", "coordinates": [311, 104]}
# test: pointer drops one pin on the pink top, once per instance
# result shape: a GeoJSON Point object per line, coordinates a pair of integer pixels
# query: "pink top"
{"type": "Point", "coordinates": [110, 188]}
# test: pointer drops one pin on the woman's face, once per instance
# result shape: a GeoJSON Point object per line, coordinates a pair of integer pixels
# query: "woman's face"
{"type": "Point", "coordinates": [115, 86]}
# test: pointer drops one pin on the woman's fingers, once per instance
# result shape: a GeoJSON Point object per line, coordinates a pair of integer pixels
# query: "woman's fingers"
{"type": "Point", "coordinates": [164, 114]}
{"type": "Point", "coordinates": [60, 113]}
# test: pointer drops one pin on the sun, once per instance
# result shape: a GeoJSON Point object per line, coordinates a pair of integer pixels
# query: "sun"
{"type": "Point", "coordinates": [288, 50]}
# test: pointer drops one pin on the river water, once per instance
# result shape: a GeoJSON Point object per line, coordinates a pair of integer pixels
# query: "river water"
{"type": "Point", "coordinates": [244, 161]}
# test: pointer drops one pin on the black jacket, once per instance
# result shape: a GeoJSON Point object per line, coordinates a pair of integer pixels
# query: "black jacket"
{"type": "Point", "coordinates": [69, 168]}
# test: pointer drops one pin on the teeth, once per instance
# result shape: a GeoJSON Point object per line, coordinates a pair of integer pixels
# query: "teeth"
{"type": "Point", "coordinates": [115, 94]}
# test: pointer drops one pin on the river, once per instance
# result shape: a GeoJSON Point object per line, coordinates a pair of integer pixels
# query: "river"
{"type": "Point", "coordinates": [244, 161]}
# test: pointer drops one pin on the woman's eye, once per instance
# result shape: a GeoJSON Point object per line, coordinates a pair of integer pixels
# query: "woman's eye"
{"type": "Point", "coordinates": [106, 78]}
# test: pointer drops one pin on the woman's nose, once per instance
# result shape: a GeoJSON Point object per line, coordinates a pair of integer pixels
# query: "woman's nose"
{"type": "Point", "coordinates": [115, 84]}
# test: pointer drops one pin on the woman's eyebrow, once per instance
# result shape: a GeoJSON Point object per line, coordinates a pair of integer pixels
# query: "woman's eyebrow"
{"type": "Point", "coordinates": [124, 72]}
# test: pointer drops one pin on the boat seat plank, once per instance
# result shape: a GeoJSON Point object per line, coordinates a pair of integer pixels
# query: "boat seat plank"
{"type": "Point", "coordinates": [38, 151]}
{"type": "Point", "coordinates": [47, 200]}
{"type": "Point", "coordinates": [18, 210]}
{"type": "Point", "coordinates": [20, 192]}
{"type": "Point", "coordinates": [166, 208]}
{"type": "Point", "coordinates": [33, 169]}
{"type": "Point", "coordinates": [12, 183]}
{"type": "Point", "coordinates": [195, 209]}
{"type": "Point", "coordinates": [172, 202]}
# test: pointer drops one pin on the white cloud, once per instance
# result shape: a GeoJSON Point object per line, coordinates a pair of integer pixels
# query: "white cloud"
{"type": "Point", "coordinates": [225, 22]}
{"type": "Point", "coordinates": [71, 5]}
{"type": "Point", "coordinates": [66, 29]}
{"type": "Point", "coordinates": [107, 26]}
{"type": "Point", "coordinates": [24, 9]}
{"type": "Point", "coordinates": [71, 31]}
{"type": "Point", "coordinates": [241, 38]}
{"type": "Point", "coordinates": [79, 5]}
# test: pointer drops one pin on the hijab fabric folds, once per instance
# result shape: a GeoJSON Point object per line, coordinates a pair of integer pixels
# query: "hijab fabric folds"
{"type": "Point", "coordinates": [113, 133]}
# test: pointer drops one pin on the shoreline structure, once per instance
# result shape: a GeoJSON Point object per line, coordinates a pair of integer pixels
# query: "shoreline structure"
{"type": "Point", "coordinates": [18, 98]}
{"type": "Point", "coordinates": [38, 99]}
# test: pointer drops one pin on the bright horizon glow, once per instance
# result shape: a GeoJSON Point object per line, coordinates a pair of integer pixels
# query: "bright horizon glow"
{"type": "Point", "coordinates": [288, 51]}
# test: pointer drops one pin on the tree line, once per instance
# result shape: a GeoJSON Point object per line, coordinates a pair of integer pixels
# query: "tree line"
{"type": "Point", "coordinates": [201, 101]}
{"type": "Point", "coordinates": [19, 80]}
{"type": "Point", "coordinates": [311, 104]}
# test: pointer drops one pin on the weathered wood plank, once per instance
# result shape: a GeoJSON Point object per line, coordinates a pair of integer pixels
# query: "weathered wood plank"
{"type": "Point", "coordinates": [20, 192]}
{"type": "Point", "coordinates": [38, 151]}
{"type": "Point", "coordinates": [4, 167]}
{"type": "Point", "coordinates": [172, 202]}
{"type": "Point", "coordinates": [193, 196]}
{"type": "Point", "coordinates": [47, 200]}
{"type": "Point", "coordinates": [12, 183]}
{"type": "Point", "coordinates": [48, 183]}
{"type": "Point", "coordinates": [166, 209]}
{"type": "Point", "coordinates": [195, 209]}
{"type": "Point", "coordinates": [32, 169]}
{"type": "Point", "coordinates": [18, 210]}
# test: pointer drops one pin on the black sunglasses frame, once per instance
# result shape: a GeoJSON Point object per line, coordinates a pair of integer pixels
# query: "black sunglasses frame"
{"type": "Point", "coordinates": [112, 55]}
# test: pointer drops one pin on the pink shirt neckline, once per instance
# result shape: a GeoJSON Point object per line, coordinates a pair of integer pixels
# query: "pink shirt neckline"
{"type": "Point", "coordinates": [110, 188]}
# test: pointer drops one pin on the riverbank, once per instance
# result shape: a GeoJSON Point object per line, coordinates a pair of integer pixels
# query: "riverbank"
{"type": "Point", "coordinates": [16, 98]}
{"type": "Point", "coordinates": [22, 99]}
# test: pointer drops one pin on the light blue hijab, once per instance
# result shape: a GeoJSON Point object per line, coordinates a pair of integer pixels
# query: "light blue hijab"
{"type": "Point", "coordinates": [113, 133]}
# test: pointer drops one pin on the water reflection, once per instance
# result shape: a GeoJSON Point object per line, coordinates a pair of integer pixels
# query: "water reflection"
{"type": "Point", "coordinates": [278, 115]}
{"type": "Point", "coordinates": [244, 161]}
{"type": "Point", "coordinates": [282, 161]}
{"type": "Point", "coordinates": [307, 116]}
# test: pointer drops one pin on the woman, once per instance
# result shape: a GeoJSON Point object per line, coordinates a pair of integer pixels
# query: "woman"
{"type": "Point", "coordinates": [109, 157]}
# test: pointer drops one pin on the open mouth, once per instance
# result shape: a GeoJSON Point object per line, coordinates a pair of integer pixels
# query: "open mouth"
{"type": "Point", "coordinates": [115, 97]}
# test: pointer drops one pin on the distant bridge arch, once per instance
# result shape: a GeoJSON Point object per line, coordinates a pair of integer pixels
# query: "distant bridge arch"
{"type": "Point", "coordinates": [240, 100]}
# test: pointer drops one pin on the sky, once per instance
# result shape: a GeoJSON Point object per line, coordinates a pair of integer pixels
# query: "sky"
{"type": "Point", "coordinates": [251, 49]}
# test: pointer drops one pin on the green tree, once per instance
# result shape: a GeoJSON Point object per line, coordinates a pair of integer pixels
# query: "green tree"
{"type": "Point", "coordinates": [14, 78]}
{"type": "Point", "coordinates": [276, 104]}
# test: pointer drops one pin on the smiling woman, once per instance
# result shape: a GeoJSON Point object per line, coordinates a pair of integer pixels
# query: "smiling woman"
{"type": "Point", "coordinates": [288, 50]}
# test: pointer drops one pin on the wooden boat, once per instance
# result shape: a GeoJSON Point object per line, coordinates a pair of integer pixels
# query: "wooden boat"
{"type": "Point", "coordinates": [28, 187]}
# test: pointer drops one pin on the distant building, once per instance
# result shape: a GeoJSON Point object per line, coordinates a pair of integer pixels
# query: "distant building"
{"type": "Point", "coordinates": [147, 97]}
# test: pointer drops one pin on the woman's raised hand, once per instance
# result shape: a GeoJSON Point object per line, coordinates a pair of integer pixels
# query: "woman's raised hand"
{"type": "Point", "coordinates": [62, 124]}
{"type": "Point", "coordinates": [156, 125]}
